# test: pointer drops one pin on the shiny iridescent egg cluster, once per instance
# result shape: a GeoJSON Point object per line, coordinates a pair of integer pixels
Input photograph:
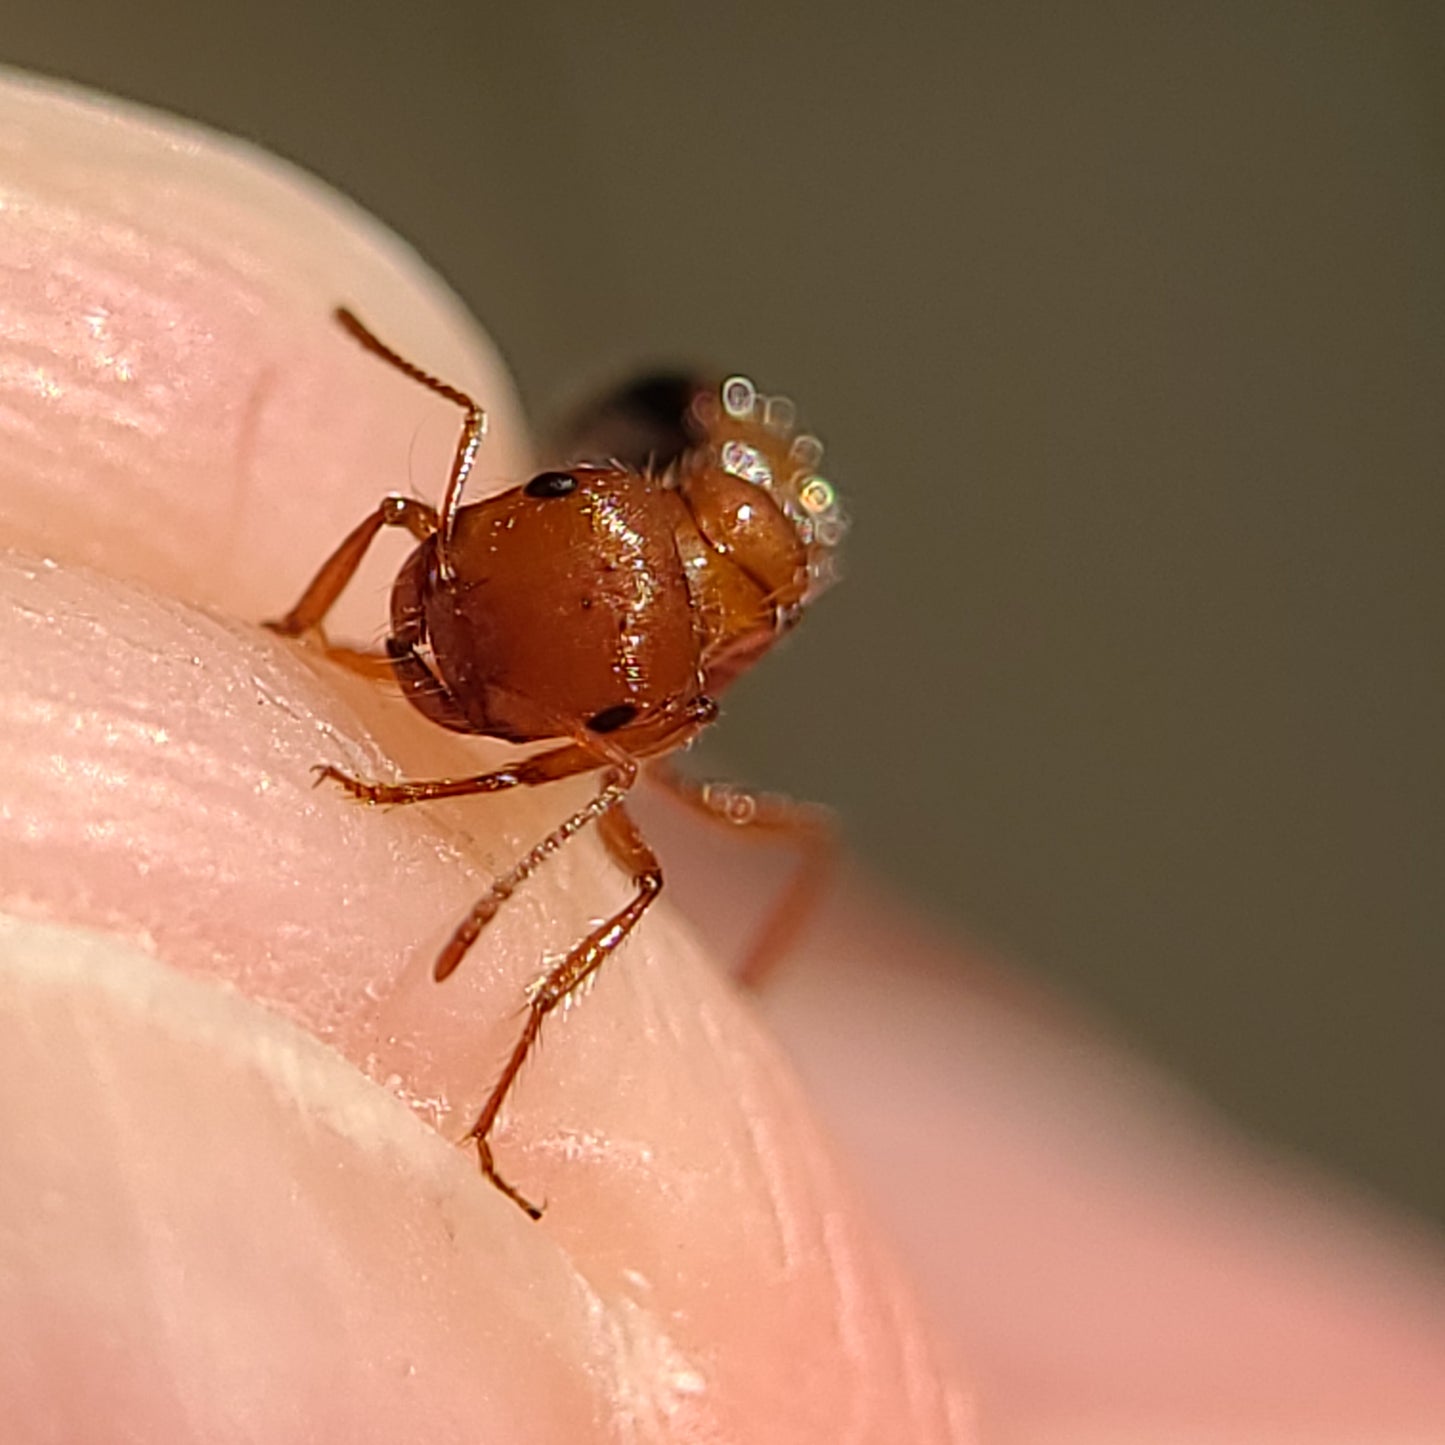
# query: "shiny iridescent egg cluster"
{"type": "Point", "coordinates": [760, 444]}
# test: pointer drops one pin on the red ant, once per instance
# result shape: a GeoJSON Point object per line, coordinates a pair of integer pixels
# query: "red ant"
{"type": "Point", "coordinates": [600, 607]}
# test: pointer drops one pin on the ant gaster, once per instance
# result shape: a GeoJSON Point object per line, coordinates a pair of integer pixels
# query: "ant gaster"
{"type": "Point", "coordinates": [600, 607]}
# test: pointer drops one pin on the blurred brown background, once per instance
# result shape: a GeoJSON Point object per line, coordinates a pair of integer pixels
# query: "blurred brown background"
{"type": "Point", "coordinates": [1125, 325]}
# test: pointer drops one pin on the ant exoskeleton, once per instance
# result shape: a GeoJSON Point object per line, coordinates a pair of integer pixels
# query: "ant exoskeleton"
{"type": "Point", "coordinates": [601, 607]}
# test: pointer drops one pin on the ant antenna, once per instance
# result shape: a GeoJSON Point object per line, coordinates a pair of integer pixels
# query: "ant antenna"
{"type": "Point", "coordinates": [474, 425]}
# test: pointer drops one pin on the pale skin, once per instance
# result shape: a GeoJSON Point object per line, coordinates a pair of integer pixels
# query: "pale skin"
{"type": "Point", "coordinates": [217, 1228]}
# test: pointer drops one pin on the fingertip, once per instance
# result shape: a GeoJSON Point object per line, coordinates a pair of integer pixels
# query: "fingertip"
{"type": "Point", "coordinates": [177, 403]}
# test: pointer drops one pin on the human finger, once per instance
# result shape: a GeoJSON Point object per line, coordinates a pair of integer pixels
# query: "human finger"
{"type": "Point", "coordinates": [173, 375]}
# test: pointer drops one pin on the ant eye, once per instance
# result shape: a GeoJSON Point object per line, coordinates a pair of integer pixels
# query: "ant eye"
{"type": "Point", "coordinates": [551, 484]}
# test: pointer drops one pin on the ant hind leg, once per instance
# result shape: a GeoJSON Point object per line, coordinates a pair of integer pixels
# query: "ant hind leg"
{"type": "Point", "coordinates": [809, 828]}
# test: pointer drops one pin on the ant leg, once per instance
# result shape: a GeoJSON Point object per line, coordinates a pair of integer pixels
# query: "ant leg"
{"type": "Point", "coordinates": [629, 848]}
{"type": "Point", "coordinates": [474, 427]}
{"type": "Point", "coordinates": [485, 909]}
{"type": "Point", "coordinates": [670, 730]}
{"type": "Point", "coordinates": [810, 829]}
{"type": "Point", "coordinates": [548, 767]}
{"type": "Point", "coordinates": [339, 568]}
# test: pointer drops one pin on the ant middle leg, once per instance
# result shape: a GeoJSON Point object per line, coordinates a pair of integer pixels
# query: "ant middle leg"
{"type": "Point", "coordinates": [628, 847]}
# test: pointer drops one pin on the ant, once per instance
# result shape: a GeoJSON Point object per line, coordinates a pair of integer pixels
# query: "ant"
{"type": "Point", "coordinates": [600, 607]}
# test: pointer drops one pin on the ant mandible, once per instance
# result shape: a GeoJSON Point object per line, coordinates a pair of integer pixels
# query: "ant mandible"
{"type": "Point", "coordinates": [600, 607]}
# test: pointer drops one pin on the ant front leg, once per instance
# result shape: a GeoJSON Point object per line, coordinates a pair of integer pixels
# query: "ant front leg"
{"type": "Point", "coordinates": [808, 827]}
{"type": "Point", "coordinates": [548, 767]}
{"type": "Point", "coordinates": [340, 567]}
{"type": "Point", "coordinates": [628, 847]}
{"type": "Point", "coordinates": [671, 728]}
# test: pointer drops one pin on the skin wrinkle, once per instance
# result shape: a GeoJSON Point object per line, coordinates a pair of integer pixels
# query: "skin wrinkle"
{"type": "Point", "coordinates": [249, 428]}
{"type": "Point", "coordinates": [842, 1253]}
{"type": "Point", "coordinates": [855, 1299]}
{"type": "Point", "coordinates": [662, 1391]}
{"type": "Point", "coordinates": [784, 1227]}
{"type": "Point", "coordinates": [117, 740]}
{"type": "Point", "coordinates": [208, 779]}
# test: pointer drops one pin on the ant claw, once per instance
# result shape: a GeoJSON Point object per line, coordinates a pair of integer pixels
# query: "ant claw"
{"type": "Point", "coordinates": [285, 627]}
{"type": "Point", "coordinates": [363, 792]}
{"type": "Point", "coordinates": [489, 1172]}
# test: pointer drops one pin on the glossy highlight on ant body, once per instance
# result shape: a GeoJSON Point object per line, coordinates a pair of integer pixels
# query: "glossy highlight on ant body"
{"type": "Point", "coordinates": [600, 608]}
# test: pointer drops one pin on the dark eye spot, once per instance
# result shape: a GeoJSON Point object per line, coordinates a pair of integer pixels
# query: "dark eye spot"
{"type": "Point", "coordinates": [551, 484]}
{"type": "Point", "coordinates": [612, 718]}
